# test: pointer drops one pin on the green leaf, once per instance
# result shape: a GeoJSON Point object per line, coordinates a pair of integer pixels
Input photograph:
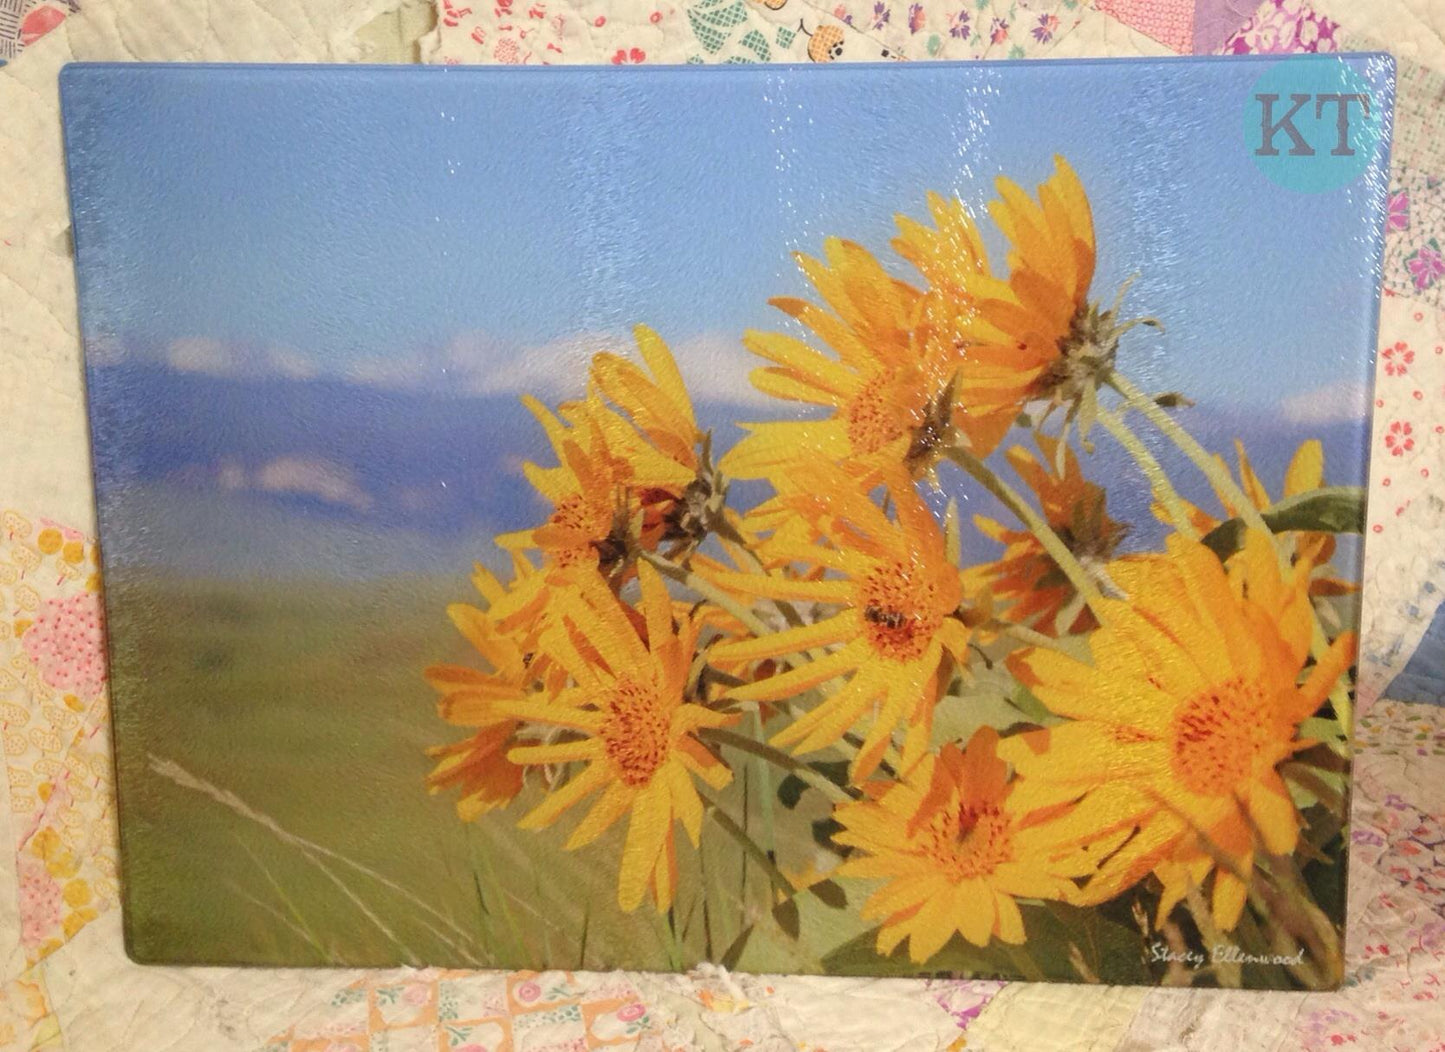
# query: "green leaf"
{"type": "Point", "coordinates": [830, 894]}
{"type": "Point", "coordinates": [733, 952]}
{"type": "Point", "coordinates": [1331, 509]}
{"type": "Point", "coordinates": [1056, 936]}
{"type": "Point", "coordinates": [1033, 709]}
{"type": "Point", "coordinates": [823, 830]}
{"type": "Point", "coordinates": [960, 959]}
{"type": "Point", "coordinates": [956, 718]}
{"type": "Point", "coordinates": [790, 789]}
{"type": "Point", "coordinates": [786, 914]}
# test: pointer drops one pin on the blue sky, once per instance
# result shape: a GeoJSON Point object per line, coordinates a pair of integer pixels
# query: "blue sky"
{"type": "Point", "coordinates": [353, 216]}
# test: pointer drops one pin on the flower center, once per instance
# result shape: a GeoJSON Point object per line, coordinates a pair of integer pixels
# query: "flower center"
{"type": "Point", "coordinates": [602, 525]}
{"type": "Point", "coordinates": [901, 612]}
{"type": "Point", "coordinates": [1085, 354]}
{"type": "Point", "coordinates": [970, 841]}
{"type": "Point", "coordinates": [1218, 734]}
{"type": "Point", "coordinates": [586, 517]}
{"type": "Point", "coordinates": [873, 416]}
{"type": "Point", "coordinates": [636, 730]}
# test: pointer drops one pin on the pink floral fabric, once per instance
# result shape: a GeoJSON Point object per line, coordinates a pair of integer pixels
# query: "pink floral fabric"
{"type": "Point", "coordinates": [1283, 27]}
{"type": "Point", "coordinates": [1415, 235]}
{"type": "Point", "coordinates": [55, 731]}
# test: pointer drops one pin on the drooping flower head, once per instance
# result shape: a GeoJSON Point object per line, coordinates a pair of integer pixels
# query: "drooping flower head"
{"type": "Point", "coordinates": [896, 606]}
{"type": "Point", "coordinates": [478, 766]}
{"type": "Point", "coordinates": [1025, 577]}
{"type": "Point", "coordinates": [954, 851]}
{"type": "Point", "coordinates": [887, 385]}
{"type": "Point", "coordinates": [627, 478]}
{"type": "Point", "coordinates": [628, 720]}
{"type": "Point", "coordinates": [1197, 685]}
{"type": "Point", "coordinates": [1035, 336]}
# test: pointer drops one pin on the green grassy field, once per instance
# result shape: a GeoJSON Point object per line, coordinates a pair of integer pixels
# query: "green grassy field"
{"type": "Point", "coordinates": [305, 701]}
{"type": "Point", "coordinates": [271, 746]}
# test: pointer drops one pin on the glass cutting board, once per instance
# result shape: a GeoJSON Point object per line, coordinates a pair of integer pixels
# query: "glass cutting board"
{"type": "Point", "coordinates": [870, 520]}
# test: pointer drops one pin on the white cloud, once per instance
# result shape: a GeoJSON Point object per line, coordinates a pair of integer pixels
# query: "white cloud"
{"type": "Point", "coordinates": [715, 366]}
{"type": "Point", "coordinates": [291, 364]}
{"type": "Point", "coordinates": [211, 357]}
{"type": "Point", "coordinates": [313, 477]}
{"type": "Point", "coordinates": [552, 371]}
{"type": "Point", "coordinates": [200, 354]}
{"type": "Point", "coordinates": [1337, 402]}
{"type": "Point", "coordinates": [104, 350]}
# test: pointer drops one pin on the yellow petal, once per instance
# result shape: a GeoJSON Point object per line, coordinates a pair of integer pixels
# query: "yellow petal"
{"type": "Point", "coordinates": [550, 809]}
{"type": "Point", "coordinates": [562, 752]}
{"type": "Point", "coordinates": [552, 714]}
{"type": "Point", "coordinates": [791, 640]}
{"type": "Point", "coordinates": [686, 804]}
{"type": "Point", "coordinates": [646, 834]}
{"type": "Point", "coordinates": [608, 808]}
{"type": "Point", "coordinates": [805, 677]}
{"type": "Point", "coordinates": [932, 927]}
{"type": "Point", "coordinates": [1010, 920]}
{"type": "Point", "coordinates": [1323, 676]}
{"type": "Point", "coordinates": [659, 359]}
{"type": "Point", "coordinates": [1306, 470]}
{"type": "Point", "coordinates": [1274, 813]}
{"type": "Point", "coordinates": [1230, 894]}
{"type": "Point", "coordinates": [975, 912]}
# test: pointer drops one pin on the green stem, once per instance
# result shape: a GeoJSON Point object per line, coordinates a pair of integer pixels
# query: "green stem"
{"type": "Point", "coordinates": [1218, 477]}
{"type": "Point", "coordinates": [750, 848]}
{"type": "Point", "coordinates": [1056, 548]}
{"type": "Point", "coordinates": [764, 778]}
{"type": "Point", "coordinates": [787, 609]}
{"type": "Point", "coordinates": [1025, 964]}
{"type": "Point", "coordinates": [1230, 490]}
{"type": "Point", "coordinates": [714, 595]}
{"type": "Point", "coordinates": [1153, 473]}
{"type": "Point", "coordinates": [779, 759]}
{"type": "Point", "coordinates": [1024, 634]}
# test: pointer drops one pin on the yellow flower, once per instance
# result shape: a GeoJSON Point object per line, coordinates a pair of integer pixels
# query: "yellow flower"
{"type": "Point", "coordinates": [954, 852]}
{"type": "Point", "coordinates": [1306, 472]}
{"type": "Point", "coordinates": [621, 483]}
{"type": "Point", "coordinates": [1025, 575]}
{"type": "Point", "coordinates": [887, 385]}
{"type": "Point", "coordinates": [1198, 683]}
{"type": "Point", "coordinates": [897, 598]}
{"type": "Point", "coordinates": [1034, 336]}
{"type": "Point", "coordinates": [632, 726]}
{"type": "Point", "coordinates": [478, 766]}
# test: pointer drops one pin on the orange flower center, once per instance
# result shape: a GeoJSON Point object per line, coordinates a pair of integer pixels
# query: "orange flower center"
{"type": "Point", "coordinates": [636, 731]}
{"type": "Point", "coordinates": [1218, 734]}
{"type": "Point", "coordinates": [587, 517]}
{"type": "Point", "coordinates": [970, 841]}
{"type": "Point", "coordinates": [873, 416]}
{"type": "Point", "coordinates": [900, 610]}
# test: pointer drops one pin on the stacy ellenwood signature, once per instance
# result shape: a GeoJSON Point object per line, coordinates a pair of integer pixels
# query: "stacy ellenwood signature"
{"type": "Point", "coordinates": [1221, 953]}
